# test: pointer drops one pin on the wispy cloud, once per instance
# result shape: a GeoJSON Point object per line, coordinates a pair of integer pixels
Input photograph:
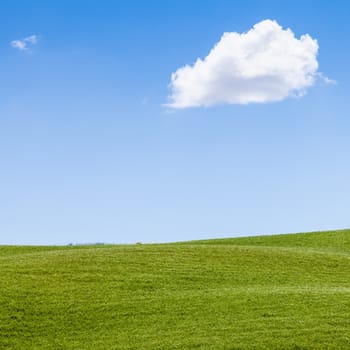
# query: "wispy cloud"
{"type": "Point", "coordinates": [26, 43]}
{"type": "Point", "coordinates": [326, 80]}
{"type": "Point", "coordinates": [265, 64]}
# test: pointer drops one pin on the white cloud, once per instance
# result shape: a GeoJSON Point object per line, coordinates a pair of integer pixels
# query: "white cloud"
{"type": "Point", "coordinates": [33, 39]}
{"type": "Point", "coordinates": [24, 44]}
{"type": "Point", "coordinates": [18, 44]}
{"type": "Point", "coordinates": [265, 64]}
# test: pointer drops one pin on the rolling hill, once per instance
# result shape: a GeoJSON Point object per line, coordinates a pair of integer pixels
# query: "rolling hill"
{"type": "Point", "coordinates": [266, 292]}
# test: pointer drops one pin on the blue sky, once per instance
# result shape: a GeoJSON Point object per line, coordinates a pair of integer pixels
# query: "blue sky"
{"type": "Point", "coordinates": [89, 152]}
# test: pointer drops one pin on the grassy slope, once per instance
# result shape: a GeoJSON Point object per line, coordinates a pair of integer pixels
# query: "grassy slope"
{"type": "Point", "coordinates": [272, 292]}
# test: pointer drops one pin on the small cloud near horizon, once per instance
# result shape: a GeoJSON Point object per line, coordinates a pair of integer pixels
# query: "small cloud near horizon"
{"type": "Point", "coordinates": [26, 43]}
{"type": "Point", "coordinates": [265, 64]}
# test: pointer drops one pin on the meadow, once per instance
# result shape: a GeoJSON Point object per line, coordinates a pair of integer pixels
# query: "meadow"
{"type": "Point", "coordinates": [265, 292]}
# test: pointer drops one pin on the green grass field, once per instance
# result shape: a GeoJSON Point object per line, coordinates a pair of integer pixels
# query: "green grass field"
{"type": "Point", "coordinates": [270, 292]}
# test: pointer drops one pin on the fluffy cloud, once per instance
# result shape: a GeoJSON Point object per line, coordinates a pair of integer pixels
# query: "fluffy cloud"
{"type": "Point", "coordinates": [23, 44]}
{"type": "Point", "coordinates": [265, 64]}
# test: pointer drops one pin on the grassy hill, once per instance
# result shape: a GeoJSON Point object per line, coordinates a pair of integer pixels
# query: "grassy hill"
{"type": "Point", "coordinates": [270, 292]}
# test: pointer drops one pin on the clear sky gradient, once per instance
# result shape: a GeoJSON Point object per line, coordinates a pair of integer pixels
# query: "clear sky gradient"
{"type": "Point", "coordinates": [89, 153]}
